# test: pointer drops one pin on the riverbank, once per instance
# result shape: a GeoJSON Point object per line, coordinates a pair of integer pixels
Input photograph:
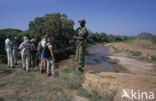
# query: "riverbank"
{"type": "Point", "coordinates": [137, 56]}
{"type": "Point", "coordinates": [100, 82]}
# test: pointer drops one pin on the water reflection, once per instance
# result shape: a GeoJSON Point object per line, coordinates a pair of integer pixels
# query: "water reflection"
{"type": "Point", "coordinates": [97, 59]}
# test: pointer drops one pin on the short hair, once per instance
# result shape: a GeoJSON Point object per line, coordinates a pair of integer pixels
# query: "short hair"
{"type": "Point", "coordinates": [50, 39]}
{"type": "Point", "coordinates": [9, 36]}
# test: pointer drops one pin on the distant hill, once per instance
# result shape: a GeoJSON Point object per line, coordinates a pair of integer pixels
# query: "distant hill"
{"type": "Point", "coordinates": [9, 31]}
{"type": "Point", "coordinates": [145, 35]}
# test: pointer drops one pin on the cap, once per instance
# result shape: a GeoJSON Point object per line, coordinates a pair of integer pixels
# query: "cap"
{"type": "Point", "coordinates": [82, 21]}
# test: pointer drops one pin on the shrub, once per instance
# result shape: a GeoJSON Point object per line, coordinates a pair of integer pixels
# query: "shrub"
{"type": "Point", "coordinates": [136, 53]}
{"type": "Point", "coordinates": [154, 67]}
{"type": "Point", "coordinates": [3, 59]}
{"type": "Point", "coordinates": [153, 58]}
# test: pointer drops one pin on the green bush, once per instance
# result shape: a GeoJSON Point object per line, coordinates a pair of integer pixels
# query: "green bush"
{"type": "Point", "coordinates": [136, 53]}
{"type": "Point", "coordinates": [153, 58]}
{"type": "Point", "coordinates": [3, 59]}
{"type": "Point", "coordinates": [154, 67]}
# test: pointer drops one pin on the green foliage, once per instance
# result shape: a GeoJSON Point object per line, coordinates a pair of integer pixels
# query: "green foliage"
{"type": "Point", "coordinates": [145, 36]}
{"type": "Point", "coordinates": [103, 37]}
{"type": "Point", "coordinates": [106, 96]}
{"type": "Point", "coordinates": [153, 58]}
{"type": "Point", "coordinates": [154, 67]}
{"type": "Point", "coordinates": [65, 53]}
{"type": "Point", "coordinates": [3, 59]}
{"type": "Point", "coordinates": [59, 27]}
{"type": "Point", "coordinates": [3, 36]}
{"type": "Point", "coordinates": [135, 53]}
{"type": "Point", "coordinates": [56, 25]}
{"type": "Point", "coordinates": [84, 92]}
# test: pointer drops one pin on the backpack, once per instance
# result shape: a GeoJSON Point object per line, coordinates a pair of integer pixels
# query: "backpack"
{"type": "Point", "coordinates": [39, 47]}
{"type": "Point", "coordinates": [26, 49]}
{"type": "Point", "coordinates": [47, 52]}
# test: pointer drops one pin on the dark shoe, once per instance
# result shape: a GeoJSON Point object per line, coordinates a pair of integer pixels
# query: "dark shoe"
{"type": "Point", "coordinates": [81, 70]}
{"type": "Point", "coordinates": [42, 71]}
{"type": "Point", "coordinates": [12, 67]}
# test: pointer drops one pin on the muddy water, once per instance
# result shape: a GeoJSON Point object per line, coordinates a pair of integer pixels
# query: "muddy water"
{"type": "Point", "coordinates": [95, 60]}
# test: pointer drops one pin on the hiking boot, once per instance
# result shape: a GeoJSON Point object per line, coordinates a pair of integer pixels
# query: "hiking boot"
{"type": "Point", "coordinates": [42, 71]}
{"type": "Point", "coordinates": [49, 75]}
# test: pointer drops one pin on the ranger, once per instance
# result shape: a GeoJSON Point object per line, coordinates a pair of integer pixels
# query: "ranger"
{"type": "Point", "coordinates": [81, 42]}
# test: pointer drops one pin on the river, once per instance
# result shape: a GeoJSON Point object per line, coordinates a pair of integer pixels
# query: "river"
{"type": "Point", "coordinates": [95, 61]}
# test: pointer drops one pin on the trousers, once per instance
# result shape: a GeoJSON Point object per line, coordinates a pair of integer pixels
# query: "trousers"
{"type": "Point", "coordinates": [15, 56]}
{"type": "Point", "coordinates": [10, 58]}
{"type": "Point", "coordinates": [25, 61]}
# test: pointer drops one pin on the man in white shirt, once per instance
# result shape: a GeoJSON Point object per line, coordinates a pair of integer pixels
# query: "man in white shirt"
{"type": "Point", "coordinates": [8, 49]}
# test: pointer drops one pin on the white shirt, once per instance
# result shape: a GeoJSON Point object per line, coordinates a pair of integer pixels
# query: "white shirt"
{"type": "Point", "coordinates": [8, 44]}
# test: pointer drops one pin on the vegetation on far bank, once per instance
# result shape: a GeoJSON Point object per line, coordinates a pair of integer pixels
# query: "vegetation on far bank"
{"type": "Point", "coordinates": [61, 28]}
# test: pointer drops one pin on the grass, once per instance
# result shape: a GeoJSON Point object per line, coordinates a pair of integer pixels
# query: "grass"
{"type": "Point", "coordinates": [135, 53]}
{"type": "Point", "coordinates": [116, 50]}
{"type": "Point", "coordinates": [84, 92]}
{"type": "Point", "coordinates": [94, 96]}
{"type": "Point", "coordinates": [34, 86]}
{"type": "Point", "coordinates": [106, 96]}
{"type": "Point", "coordinates": [31, 86]}
{"type": "Point", "coordinates": [129, 41]}
{"type": "Point", "coordinates": [154, 67]}
{"type": "Point", "coordinates": [3, 59]}
{"type": "Point", "coordinates": [69, 78]}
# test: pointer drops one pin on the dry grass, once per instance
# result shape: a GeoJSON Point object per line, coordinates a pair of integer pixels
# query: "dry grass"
{"type": "Point", "coordinates": [112, 84]}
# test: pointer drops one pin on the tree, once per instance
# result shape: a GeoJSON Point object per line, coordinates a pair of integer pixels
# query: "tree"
{"type": "Point", "coordinates": [56, 25]}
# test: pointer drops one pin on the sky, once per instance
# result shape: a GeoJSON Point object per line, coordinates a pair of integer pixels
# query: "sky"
{"type": "Point", "coordinates": [119, 17]}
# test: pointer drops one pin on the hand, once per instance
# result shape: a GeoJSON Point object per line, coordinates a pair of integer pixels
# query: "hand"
{"type": "Point", "coordinates": [53, 60]}
{"type": "Point", "coordinates": [78, 28]}
{"type": "Point", "coordinates": [74, 37]}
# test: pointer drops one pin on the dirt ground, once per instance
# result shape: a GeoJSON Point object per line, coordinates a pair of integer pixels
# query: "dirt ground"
{"type": "Point", "coordinates": [138, 76]}
{"type": "Point", "coordinates": [135, 64]}
{"type": "Point", "coordinates": [18, 85]}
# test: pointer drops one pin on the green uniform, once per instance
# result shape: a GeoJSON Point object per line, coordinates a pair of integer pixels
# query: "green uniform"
{"type": "Point", "coordinates": [80, 48]}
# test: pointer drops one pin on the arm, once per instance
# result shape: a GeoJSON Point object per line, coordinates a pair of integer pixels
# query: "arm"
{"type": "Point", "coordinates": [21, 46]}
{"type": "Point", "coordinates": [77, 37]}
{"type": "Point", "coordinates": [83, 34]}
{"type": "Point", "coordinates": [51, 52]}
